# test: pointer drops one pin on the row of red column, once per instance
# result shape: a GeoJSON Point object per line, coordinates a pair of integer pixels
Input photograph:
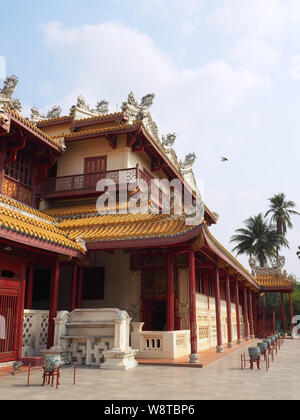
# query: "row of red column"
{"type": "Point", "coordinates": [248, 296]}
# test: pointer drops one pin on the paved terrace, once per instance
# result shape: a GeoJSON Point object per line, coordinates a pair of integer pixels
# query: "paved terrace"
{"type": "Point", "coordinates": [221, 379]}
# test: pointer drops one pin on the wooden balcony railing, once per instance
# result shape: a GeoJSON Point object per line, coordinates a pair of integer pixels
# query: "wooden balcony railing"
{"type": "Point", "coordinates": [19, 192]}
{"type": "Point", "coordinates": [87, 182]}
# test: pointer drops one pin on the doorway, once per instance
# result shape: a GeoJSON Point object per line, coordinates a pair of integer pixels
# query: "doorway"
{"type": "Point", "coordinates": [155, 315]}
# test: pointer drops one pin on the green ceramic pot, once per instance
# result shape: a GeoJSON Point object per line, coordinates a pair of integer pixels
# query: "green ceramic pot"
{"type": "Point", "coordinates": [52, 362]}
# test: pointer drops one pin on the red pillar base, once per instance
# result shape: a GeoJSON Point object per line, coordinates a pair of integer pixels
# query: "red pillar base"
{"type": "Point", "coordinates": [194, 358]}
{"type": "Point", "coordinates": [230, 345]}
{"type": "Point", "coordinates": [239, 342]}
{"type": "Point", "coordinates": [220, 349]}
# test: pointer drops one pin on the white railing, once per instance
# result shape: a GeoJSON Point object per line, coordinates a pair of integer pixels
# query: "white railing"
{"type": "Point", "coordinates": [161, 344]}
{"type": "Point", "coordinates": [35, 332]}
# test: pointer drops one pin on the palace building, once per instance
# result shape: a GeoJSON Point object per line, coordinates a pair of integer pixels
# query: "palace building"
{"type": "Point", "coordinates": [182, 289]}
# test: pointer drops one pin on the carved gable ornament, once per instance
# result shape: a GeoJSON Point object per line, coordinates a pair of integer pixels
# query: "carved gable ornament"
{"type": "Point", "coordinates": [82, 110]}
{"type": "Point", "coordinates": [276, 268]}
{"type": "Point", "coordinates": [9, 86]}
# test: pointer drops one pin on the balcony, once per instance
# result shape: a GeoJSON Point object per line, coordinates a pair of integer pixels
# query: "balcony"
{"type": "Point", "coordinates": [86, 184]}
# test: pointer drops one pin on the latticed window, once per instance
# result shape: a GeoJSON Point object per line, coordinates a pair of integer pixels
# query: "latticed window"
{"type": "Point", "coordinates": [21, 169]}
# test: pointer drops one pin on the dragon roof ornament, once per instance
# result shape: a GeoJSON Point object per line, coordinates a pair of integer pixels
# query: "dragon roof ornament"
{"type": "Point", "coordinates": [168, 141]}
{"type": "Point", "coordinates": [187, 164]}
{"type": "Point", "coordinates": [276, 268]}
{"type": "Point", "coordinates": [140, 112]}
{"type": "Point", "coordinates": [36, 116]}
{"type": "Point", "coordinates": [9, 86]}
{"type": "Point", "coordinates": [55, 112]}
{"type": "Point", "coordinates": [83, 110]}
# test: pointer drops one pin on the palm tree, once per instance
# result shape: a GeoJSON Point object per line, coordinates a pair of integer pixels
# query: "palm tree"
{"type": "Point", "coordinates": [281, 211]}
{"type": "Point", "coordinates": [258, 239]}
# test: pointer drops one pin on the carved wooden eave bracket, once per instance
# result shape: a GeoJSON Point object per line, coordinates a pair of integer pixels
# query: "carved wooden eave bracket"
{"type": "Point", "coordinates": [46, 162]}
{"type": "Point", "coordinates": [12, 149]}
{"type": "Point", "coordinates": [112, 140]}
{"type": "Point", "coordinates": [198, 243]}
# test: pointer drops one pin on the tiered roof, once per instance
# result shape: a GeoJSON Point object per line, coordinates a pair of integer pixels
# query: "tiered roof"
{"type": "Point", "coordinates": [22, 223]}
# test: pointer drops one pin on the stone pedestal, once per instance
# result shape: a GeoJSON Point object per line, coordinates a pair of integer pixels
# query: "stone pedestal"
{"type": "Point", "coordinates": [194, 358]}
{"type": "Point", "coordinates": [119, 360]}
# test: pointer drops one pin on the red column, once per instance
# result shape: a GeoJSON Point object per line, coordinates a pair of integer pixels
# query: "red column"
{"type": "Point", "coordinates": [20, 316]}
{"type": "Point", "coordinates": [170, 294]}
{"type": "Point", "coordinates": [252, 335]}
{"type": "Point", "coordinates": [246, 315]}
{"type": "Point", "coordinates": [255, 313]}
{"type": "Point", "coordinates": [220, 347]}
{"type": "Point", "coordinates": [194, 357]}
{"type": "Point", "coordinates": [53, 303]}
{"type": "Point", "coordinates": [237, 309]}
{"type": "Point", "coordinates": [79, 293]}
{"type": "Point", "coordinates": [228, 307]}
{"type": "Point", "coordinates": [29, 292]}
{"type": "Point", "coordinates": [283, 314]}
{"type": "Point", "coordinates": [291, 312]}
{"type": "Point", "coordinates": [74, 288]}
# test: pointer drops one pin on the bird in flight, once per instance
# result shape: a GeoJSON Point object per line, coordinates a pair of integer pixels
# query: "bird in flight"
{"type": "Point", "coordinates": [224, 159]}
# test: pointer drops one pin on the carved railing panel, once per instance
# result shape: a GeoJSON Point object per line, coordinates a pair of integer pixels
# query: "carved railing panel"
{"type": "Point", "coordinates": [87, 182]}
{"type": "Point", "coordinates": [17, 191]}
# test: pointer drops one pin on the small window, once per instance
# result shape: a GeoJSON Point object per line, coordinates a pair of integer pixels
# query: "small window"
{"type": "Point", "coordinates": [8, 274]}
{"type": "Point", "coordinates": [93, 283]}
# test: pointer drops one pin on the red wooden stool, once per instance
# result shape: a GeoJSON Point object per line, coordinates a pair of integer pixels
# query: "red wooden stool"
{"type": "Point", "coordinates": [50, 377]}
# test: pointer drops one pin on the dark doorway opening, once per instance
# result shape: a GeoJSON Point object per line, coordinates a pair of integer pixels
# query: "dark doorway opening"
{"type": "Point", "coordinates": [41, 289]}
{"type": "Point", "coordinates": [155, 315]}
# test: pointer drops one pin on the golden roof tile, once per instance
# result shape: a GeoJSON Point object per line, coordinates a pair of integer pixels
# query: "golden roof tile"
{"type": "Point", "coordinates": [37, 228]}
{"type": "Point", "coordinates": [124, 227]}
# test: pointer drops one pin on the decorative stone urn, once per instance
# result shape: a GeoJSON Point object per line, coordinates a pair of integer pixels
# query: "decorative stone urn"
{"type": "Point", "coordinates": [263, 347]}
{"type": "Point", "coordinates": [254, 352]}
{"type": "Point", "coordinates": [52, 362]}
{"type": "Point", "coordinates": [268, 341]}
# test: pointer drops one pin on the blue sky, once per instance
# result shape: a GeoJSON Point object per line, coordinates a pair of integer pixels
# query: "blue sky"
{"type": "Point", "coordinates": [225, 74]}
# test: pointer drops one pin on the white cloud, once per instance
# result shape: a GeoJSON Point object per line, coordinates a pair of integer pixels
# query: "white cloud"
{"type": "Point", "coordinates": [254, 53]}
{"type": "Point", "coordinates": [110, 59]}
{"type": "Point", "coordinates": [259, 17]}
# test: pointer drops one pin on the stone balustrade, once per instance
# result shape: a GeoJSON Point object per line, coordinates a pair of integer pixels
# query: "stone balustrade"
{"type": "Point", "coordinates": [160, 344]}
{"type": "Point", "coordinates": [35, 332]}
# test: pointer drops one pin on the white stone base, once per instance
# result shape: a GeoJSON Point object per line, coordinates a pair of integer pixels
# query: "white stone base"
{"type": "Point", "coordinates": [119, 360]}
{"type": "Point", "coordinates": [5, 365]}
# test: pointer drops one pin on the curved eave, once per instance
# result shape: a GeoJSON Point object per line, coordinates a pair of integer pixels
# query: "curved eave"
{"type": "Point", "coordinates": [37, 243]}
{"type": "Point", "coordinates": [91, 134]}
{"type": "Point", "coordinates": [166, 241]}
{"type": "Point", "coordinates": [35, 132]}
{"type": "Point", "coordinates": [283, 289]}
{"type": "Point", "coordinates": [229, 259]}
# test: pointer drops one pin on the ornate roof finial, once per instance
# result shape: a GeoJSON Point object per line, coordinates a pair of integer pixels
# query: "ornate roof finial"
{"type": "Point", "coordinates": [187, 164]}
{"type": "Point", "coordinates": [7, 91]}
{"type": "Point", "coordinates": [102, 107]}
{"type": "Point", "coordinates": [36, 115]}
{"type": "Point", "coordinates": [147, 101]}
{"type": "Point", "coordinates": [9, 86]}
{"type": "Point", "coordinates": [276, 268]}
{"type": "Point", "coordinates": [55, 112]}
{"type": "Point", "coordinates": [168, 141]}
